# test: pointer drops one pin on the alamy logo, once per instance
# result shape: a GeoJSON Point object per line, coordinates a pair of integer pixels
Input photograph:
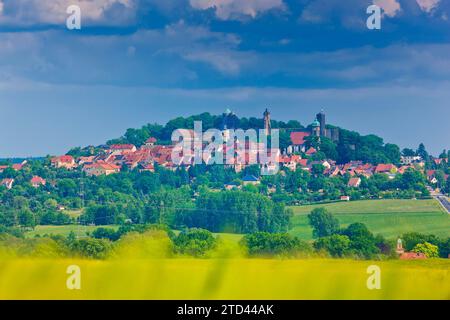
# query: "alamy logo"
{"type": "Point", "coordinates": [74, 280]}
{"type": "Point", "coordinates": [230, 147]}
{"type": "Point", "coordinates": [73, 22]}
{"type": "Point", "coordinates": [374, 20]}
{"type": "Point", "coordinates": [374, 280]}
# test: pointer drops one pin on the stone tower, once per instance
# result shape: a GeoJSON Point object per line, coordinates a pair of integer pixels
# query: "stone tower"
{"type": "Point", "coordinates": [321, 119]}
{"type": "Point", "coordinates": [267, 125]}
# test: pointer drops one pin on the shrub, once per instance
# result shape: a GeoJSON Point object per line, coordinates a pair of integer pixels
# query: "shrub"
{"type": "Point", "coordinates": [428, 249]}
{"type": "Point", "coordinates": [336, 245]}
{"type": "Point", "coordinates": [91, 248]}
{"type": "Point", "coordinates": [194, 242]}
{"type": "Point", "coordinates": [264, 243]}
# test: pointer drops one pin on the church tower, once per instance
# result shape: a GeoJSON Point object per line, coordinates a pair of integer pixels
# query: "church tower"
{"type": "Point", "coordinates": [267, 125]}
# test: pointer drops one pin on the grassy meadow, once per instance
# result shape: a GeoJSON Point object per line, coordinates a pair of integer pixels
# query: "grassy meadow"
{"type": "Point", "coordinates": [390, 218]}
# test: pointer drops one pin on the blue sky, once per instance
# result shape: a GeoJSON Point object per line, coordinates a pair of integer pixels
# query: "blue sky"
{"type": "Point", "coordinates": [137, 61]}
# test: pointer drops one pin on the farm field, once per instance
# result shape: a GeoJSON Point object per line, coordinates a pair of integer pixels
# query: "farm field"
{"type": "Point", "coordinates": [224, 279]}
{"type": "Point", "coordinates": [389, 218]}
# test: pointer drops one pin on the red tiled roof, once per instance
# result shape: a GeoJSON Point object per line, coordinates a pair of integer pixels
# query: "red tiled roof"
{"type": "Point", "coordinates": [430, 173]}
{"type": "Point", "coordinates": [298, 137]}
{"type": "Point", "coordinates": [303, 162]}
{"type": "Point", "coordinates": [37, 180]}
{"type": "Point", "coordinates": [122, 147]}
{"type": "Point", "coordinates": [412, 255]}
{"type": "Point", "coordinates": [354, 182]}
{"type": "Point", "coordinates": [384, 168]}
{"type": "Point", "coordinates": [311, 151]}
{"type": "Point", "coordinates": [65, 159]}
{"type": "Point", "coordinates": [151, 140]}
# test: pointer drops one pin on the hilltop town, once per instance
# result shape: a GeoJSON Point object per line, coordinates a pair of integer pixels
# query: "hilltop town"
{"type": "Point", "coordinates": [302, 151]}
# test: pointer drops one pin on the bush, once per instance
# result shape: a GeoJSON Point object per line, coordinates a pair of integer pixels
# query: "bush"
{"type": "Point", "coordinates": [429, 250]}
{"type": "Point", "coordinates": [362, 241]}
{"type": "Point", "coordinates": [336, 245]}
{"type": "Point", "coordinates": [106, 233]}
{"type": "Point", "coordinates": [268, 244]}
{"type": "Point", "coordinates": [91, 248]}
{"type": "Point", "coordinates": [411, 239]}
{"type": "Point", "coordinates": [194, 242]}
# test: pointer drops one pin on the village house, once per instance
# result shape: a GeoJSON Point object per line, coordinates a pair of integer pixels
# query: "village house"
{"type": "Point", "coordinates": [100, 168]}
{"type": "Point", "coordinates": [345, 198]}
{"type": "Point", "coordinates": [311, 151]}
{"type": "Point", "coordinates": [250, 179]}
{"type": "Point", "coordinates": [354, 182]}
{"type": "Point", "coordinates": [19, 166]}
{"type": "Point", "coordinates": [65, 161]}
{"type": "Point", "coordinates": [298, 142]}
{"type": "Point", "coordinates": [2, 168]}
{"type": "Point", "coordinates": [149, 167]}
{"type": "Point", "coordinates": [7, 183]}
{"type": "Point", "coordinates": [410, 160]}
{"type": "Point", "coordinates": [386, 168]}
{"type": "Point", "coordinates": [37, 181]}
{"type": "Point", "coordinates": [121, 148]}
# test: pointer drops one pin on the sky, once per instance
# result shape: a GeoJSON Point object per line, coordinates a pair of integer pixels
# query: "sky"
{"type": "Point", "coordinates": [143, 61]}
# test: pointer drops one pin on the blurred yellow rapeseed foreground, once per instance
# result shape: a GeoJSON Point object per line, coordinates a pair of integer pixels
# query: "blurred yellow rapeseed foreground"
{"type": "Point", "coordinates": [143, 268]}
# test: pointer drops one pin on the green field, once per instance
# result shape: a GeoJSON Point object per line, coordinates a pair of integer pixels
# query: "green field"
{"type": "Point", "coordinates": [389, 218]}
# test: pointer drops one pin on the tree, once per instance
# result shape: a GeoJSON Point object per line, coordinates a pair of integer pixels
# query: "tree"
{"type": "Point", "coordinates": [269, 244]}
{"type": "Point", "coordinates": [428, 249]}
{"type": "Point", "coordinates": [408, 152]}
{"type": "Point", "coordinates": [27, 219]}
{"type": "Point", "coordinates": [411, 239]}
{"type": "Point", "coordinates": [422, 152]}
{"type": "Point", "coordinates": [362, 241]}
{"type": "Point", "coordinates": [336, 245]}
{"type": "Point", "coordinates": [195, 242]}
{"type": "Point", "coordinates": [323, 223]}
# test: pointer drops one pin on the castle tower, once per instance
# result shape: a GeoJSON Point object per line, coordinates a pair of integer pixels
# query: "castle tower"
{"type": "Point", "coordinates": [321, 119]}
{"type": "Point", "coordinates": [267, 125]}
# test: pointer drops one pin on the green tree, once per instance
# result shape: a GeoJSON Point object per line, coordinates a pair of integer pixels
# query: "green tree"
{"type": "Point", "coordinates": [336, 245]}
{"type": "Point", "coordinates": [428, 249]}
{"type": "Point", "coordinates": [269, 244]}
{"type": "Point", "coordinates": [323, 223]}
{"type": "Point", "coordinates": [194, 242]}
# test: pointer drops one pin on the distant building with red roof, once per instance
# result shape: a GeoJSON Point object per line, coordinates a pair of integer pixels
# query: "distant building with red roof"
{"type": "Point", "coordinates": [311, 151]}
{"type": "Point", "coordinates": [7, 183]}
{"type": "Point", "coordinates": [412, 256]}
{"type": "Point", "coordinates": [385, 168]}
{"type": "Point", "coordinates": [37, 181]}
{"type": "Point", "coordinates": [354, 182]}
{"type": "Point", "coordinates": [118, 148]}
{"type": "Point", "coordinates": [65, 161]}
{"type": "Point", "coordinates": [101, 168]}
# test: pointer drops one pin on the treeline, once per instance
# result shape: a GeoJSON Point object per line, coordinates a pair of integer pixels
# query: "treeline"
{"type": "Point", "coordinates": [227, 211]}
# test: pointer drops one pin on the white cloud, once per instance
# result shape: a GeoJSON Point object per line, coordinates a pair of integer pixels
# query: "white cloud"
{"type": "Point", "coordinates": [390, 7]}
{"type": "Point", "coordinates": [232, 9]}
{"type": "Point", "coordinates": [29, 12]}
{"type": "Point", "coordinates": [428, 5]}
